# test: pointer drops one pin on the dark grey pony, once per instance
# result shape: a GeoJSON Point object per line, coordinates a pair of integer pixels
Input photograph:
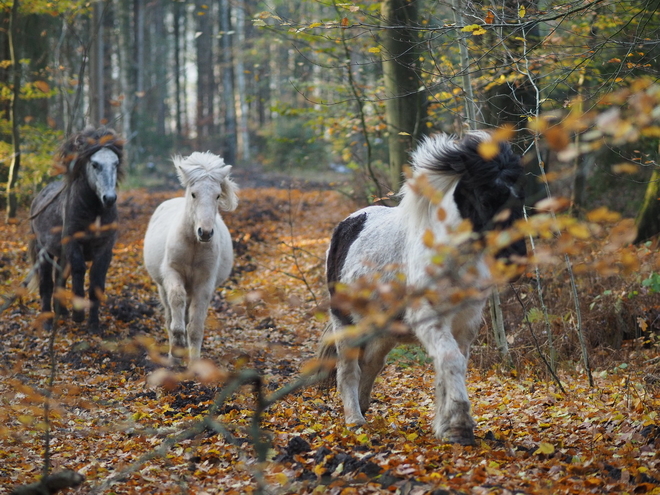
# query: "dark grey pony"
{"type": "Point", "coordinates": [75, 219]}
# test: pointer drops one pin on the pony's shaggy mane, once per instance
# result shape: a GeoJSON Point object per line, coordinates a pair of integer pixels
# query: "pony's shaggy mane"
{"type": "Point", "coordinates": [446, 161]}
{"type": "Point", "coordinates": [76, 151]}
{"type": "Point", "coordinates": [198, 166]}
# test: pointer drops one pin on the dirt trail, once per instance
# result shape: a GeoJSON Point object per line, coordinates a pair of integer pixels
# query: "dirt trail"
{"type": "Point", "coordinates": [268, 317]}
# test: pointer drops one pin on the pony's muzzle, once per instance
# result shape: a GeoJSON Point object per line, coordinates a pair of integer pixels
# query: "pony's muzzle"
{"type": "Point", "coordinates": [109, 200]}
{"type": "Point", "coordinates": [204, 235]}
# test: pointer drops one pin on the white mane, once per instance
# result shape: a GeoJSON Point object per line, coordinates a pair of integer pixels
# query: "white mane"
{"type": "Point", "coordinates": [200, 166]}
{"type": "Point", "coordinates": [424, 159]}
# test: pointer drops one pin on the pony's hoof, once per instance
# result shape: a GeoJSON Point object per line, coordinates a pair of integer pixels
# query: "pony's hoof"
{"type": "Point", "coordinates": [94, 328]}
{"type": "Point", "coordinates": [78, 316]}
{"type": "Point", "coordinates": [176, 363]}
{"type": "Point", "coordinates": [461, 436]}
{"type": "Point", "coordinates": [354, 423]}
{"type": "Point", "coordinates": [64, 311]}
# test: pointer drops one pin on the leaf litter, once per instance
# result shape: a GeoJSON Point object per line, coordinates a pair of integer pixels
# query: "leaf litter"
{"type": "Point", "coordinates": [106, 413]}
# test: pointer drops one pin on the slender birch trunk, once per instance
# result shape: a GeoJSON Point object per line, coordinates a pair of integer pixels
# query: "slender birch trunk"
{"type": "Point", "coordinates": [14, 168]}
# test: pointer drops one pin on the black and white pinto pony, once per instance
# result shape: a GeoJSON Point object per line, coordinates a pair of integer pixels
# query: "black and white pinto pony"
{"type": "Point", "coordinates": [75, 220]}
{"type": "Point", "coordinates": [381, 243]}
{"type": "Point", "coordinates": [188, 250]}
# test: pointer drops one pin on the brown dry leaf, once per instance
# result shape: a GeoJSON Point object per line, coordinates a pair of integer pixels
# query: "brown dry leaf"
{"type": "Point", "coordinates": [557, 137]}
{"type": "Point", "coordinates": [207, 372]}
{"type": "Point", "coordinates": [553, 204]}
{"type": "Point", "coordinates": [505, 132]}
{"type": "Point", "coordinates": [42, 86]}
{"type": "Point", "coordinates": [488, 149]}
{"type": "Point", "coordinates": [625, 168]}
{"type": "Point", "coordinates": [603, 215]}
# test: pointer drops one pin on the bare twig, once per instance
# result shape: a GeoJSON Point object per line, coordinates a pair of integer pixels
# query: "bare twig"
{"type": "Point", "coordinates": [536, 343]}
{"type": "Point", "coordinates": [294, 252]}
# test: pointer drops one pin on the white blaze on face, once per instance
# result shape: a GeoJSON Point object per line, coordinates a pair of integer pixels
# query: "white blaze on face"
{"type": "Point", "coordinates": [102, 175]}
{"type": "Point", "coordinates": [203, 198]}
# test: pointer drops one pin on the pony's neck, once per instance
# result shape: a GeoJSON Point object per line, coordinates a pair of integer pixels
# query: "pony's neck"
{"type": "Point", "coordinates": [82, 196]}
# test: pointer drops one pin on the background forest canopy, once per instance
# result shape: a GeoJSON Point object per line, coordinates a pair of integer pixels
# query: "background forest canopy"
{"type": "Point", "coordinates": [322, 85]}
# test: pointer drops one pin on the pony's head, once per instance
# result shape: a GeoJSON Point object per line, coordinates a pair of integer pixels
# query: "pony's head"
{"type": "Point", "coordinates": [208, 188]}
{"type": "Point", "coordinates": [95, 155]}
{"type": "Point", "coordinates": [489, 187]}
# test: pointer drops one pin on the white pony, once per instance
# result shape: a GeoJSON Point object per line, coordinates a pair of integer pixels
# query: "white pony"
{"type": "Point", "coordinates": [381, 243]}
{"type": "Point", "coordinates": [188, 250]}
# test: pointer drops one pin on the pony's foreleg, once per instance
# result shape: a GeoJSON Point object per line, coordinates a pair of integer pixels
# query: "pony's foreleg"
{"type": "Point", "coordinates": [76, 261]}
{"type": "Point", "coordinates": [199, 306]}
{"type": "Point", "coordinates": [97, 274]}
{"type": "Point", "coordinates": [453, 421]}
{"type": "Point", "coordinates": [176, 301]}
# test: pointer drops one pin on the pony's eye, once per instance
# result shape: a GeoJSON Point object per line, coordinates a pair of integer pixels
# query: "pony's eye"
{"type": "Point", "coordinates": [96, 166]}
{"type": "Point", "coordinates": [218, 197]}
{"type": "Point", "coordinates": [193, 195]}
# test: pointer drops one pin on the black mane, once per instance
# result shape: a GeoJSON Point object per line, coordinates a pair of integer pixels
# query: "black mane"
{"type": "Point", "coordinates": [487, 186]}
{"type": "Point", "coordinates": [76, 151]}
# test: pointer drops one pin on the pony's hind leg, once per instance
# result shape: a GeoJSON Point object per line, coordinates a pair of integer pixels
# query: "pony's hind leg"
{"type": "Point", "coordinates": [46, 285]}
{"type": "Point", "coordinates": [371, 363]}
{"type": "Point", "coordinates": [348, 376]}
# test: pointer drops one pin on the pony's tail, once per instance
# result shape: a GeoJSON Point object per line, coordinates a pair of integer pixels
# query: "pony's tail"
{"type": "Point", "coordinates": [33, 252]}
{"type": "Point", "coordinates": [327, 356]}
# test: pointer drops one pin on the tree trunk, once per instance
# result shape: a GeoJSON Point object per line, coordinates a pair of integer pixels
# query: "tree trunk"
{"type": "Point", "coordinates": [123, 13]}
{"type": "Point", "coordinates": [160, 89]}
{"type": "Point", "coordinates": [138, 7]}
{"type": "Point", "coordinates": [38, 49]}
{"type": "Point", "coordinates": [230, 151]}
{"type": "Point", "coordinates": [648, 218]}
{"type": "Point", "coordinates": [404, 105]}
{"type": "Point", "coordinates": [204, 120]}
{"type": "Point", "coordinates": [178, 12]}
{"type": "Point", "coordinates": [243, 131]}
{"type": "Point", "coordinates": [96, 94]}
{"type": "Point", "coordinates": [15, 121]}
{"type": "Point", "coordinates": [61, 117]}
{"type": "Point", "coordinates": [498, 327]}
{"type": "Point", "coordinates": [470, 104]}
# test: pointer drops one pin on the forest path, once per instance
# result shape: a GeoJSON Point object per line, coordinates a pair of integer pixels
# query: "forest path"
{"type": "Point", "coordinates": [107, 412]}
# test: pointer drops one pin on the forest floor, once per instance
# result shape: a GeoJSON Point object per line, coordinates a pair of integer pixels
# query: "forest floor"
{"type": "Point", "coordinates": [118, 420]}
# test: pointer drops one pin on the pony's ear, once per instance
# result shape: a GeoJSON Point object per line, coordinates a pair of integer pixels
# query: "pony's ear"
{"type": "Point", "coordinates": [180, 171]}
{"type": "Point", "coordinates": [229, 197]}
